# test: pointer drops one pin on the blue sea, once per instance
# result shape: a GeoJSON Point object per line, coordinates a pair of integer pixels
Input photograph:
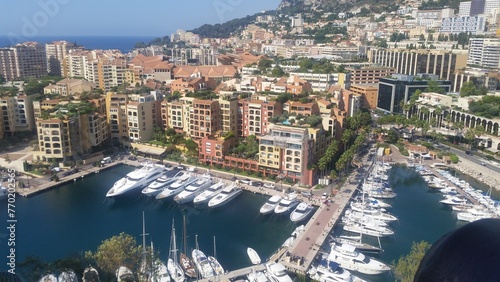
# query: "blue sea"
{"type": "Point", "coordinates": [122, 43]}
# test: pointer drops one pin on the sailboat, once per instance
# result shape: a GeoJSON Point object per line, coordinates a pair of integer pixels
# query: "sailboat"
{"type": "Point", "coordinates": [173, 266]}
{"type": "Point", "coordinates": [159, 269]}
{"type": "Point", "coordinates": [200, 259]}
{"type": "Point", "coordinates": [186, 263]}
{"type": "Point", "coordinates": [215, 263]}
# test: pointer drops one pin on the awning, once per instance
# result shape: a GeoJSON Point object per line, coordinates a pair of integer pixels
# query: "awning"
{"type": "Point", "coordinates": [151, 151]}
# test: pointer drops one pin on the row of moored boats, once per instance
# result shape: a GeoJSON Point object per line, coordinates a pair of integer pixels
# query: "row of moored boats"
{"type": "Point", "coordinates": [366, 215]}
{"type": "Point", "coordinates": [180, 186]}
{"type": "Point", "coordinates": [470, 204]}
{"type": "Point", "coordinates": [288, 204]}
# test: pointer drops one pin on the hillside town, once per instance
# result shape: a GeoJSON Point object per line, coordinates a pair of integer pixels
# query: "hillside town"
{"type": "Point", "coordinates": [270, 99]}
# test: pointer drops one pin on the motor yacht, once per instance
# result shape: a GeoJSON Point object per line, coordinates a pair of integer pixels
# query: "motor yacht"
{"type": "Point", "coordinates": [176, 187]}
{"type": "Point", "coordinates": [48, 278]}
{"type": "Point", "coordinates": [301, 212]}
{"type": "Point", "coordinates": [194, 189]}
{"type": "Point", "coordinates": [270, 204]}
{"type": "Point", "coordinates": [226, 195]}
{"type": "Point", "coordinates": [286, 204]}
{"type": "Point", "coordinates": [277, 272]}
{"type": "Point", "coordinates": [257, 276]}
{"type": "Point", "coordinates": [474, 214]}
{"type": "Point", "coordinates": [357, 242]}
{"type": "Point", "coordinates": [3, 192]}
{"type": "Point", "coordinates": [373, 214]}
{"type": "Point", "coordinates": [348, 257]}
{"type": "Point", "coordinates": [209, 193]}
{"type": "Point", "coordinates": [253, 255]}
{"type": "Point", "coordinates": [68, 276]}
{"type": "Point", "coordinates": [330, 271]}
{"type": "Point", "coordinates": [157, 186]}
{"type": "Point", "coordinates": [136, 179]}
{"type": "Point", "coordinates": [202, 264]}
{"type": "Point", "coordinates": [368, 229]}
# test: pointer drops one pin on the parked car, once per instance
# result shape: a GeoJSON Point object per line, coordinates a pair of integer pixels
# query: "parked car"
{"type": "Point", "coordinates": [269, 185]}
{"type": "Point", "coordinates": [246, 181]}
{"type": "Point", "coordinates": [132, 158]}
{"type": "Point", "coordinates": [324, 196]}
{"type": "Point", "coordinates": [257, 183]}
{"type": "Point", "coordinates": [468, 153]}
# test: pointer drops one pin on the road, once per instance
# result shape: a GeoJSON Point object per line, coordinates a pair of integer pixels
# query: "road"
{"type": "Point", "coordinates": [475, 159]}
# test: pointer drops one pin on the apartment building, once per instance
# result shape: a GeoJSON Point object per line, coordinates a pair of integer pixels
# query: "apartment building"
{"type": "Point", "coordinates": [8, 105]}
{"type": "Point", "coordinates": [286, 151]}
{"type": "Point", "coordinates": [229, 113]}
{"type": "Point", "coordinates": [94, 131]}
{"type": "Point", "coordinates": [69, 87]}
{"type": "Point", "coordinates": [17, 113]}
{"type": "Point", "coordinates": [24, 60]}
{"type": "Point", "coordinates": [192, 84]}
{"type": "Point", "coordinates": [142, 117]}
{"type": "Point", "coordinates": [292, 84]}
{"type": "Point", "coordinates": [368, 74]}
{"type": "Point", "coordinates": [2, 132]}
{"type": "Point", "coordinates": [442, 63]}
{"type": "Point", "coordinates": [58, 139]}
{"type": "Point", "coordinates": [471, 24]}
{"type": "Point", "coordinates": [304, 109]}
{"type": "Point", "coordinates": [55, 53]}
{"type": "Point", "coordinates": [116, 113]}
{"type": "Point", "coordinates": [178, 114]}
{"type": "Point", "coordinates": [212, 150]}
{"type": "Point", "coordinates": [318, 81]}
{"type": "Point", "coordinates": [484, 53]}
{"type": "Point", "coordinates": [205, 119]}
{"type": "Point", "coordinates": [254, 116]}
{"type": "Point", "coordinates": [369, 93]}
{"type": "Point", "coordinates": [395, 91]}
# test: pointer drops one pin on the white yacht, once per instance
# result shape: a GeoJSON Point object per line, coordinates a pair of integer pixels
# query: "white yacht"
{"type": "Point", "coordinates": [226, 195]}
{"type": "Point", "coordinates": [160, 273]}
{"type": "Point", "coordinates": [330, 271]}
{"type": "Point", "coordinates": [374, 214]}
{"type": "Point", "coordinates": [301, 212]}
{"type": "Point", "coordinates": [136, 179]}
{"type": "Point", "coordinates": [269, 205]}
{"type": "Point", "coordinates": [349, 258]}
{"type": "Point", "coordinates": [202, 264]}
{"type": "Point", "coordinates": [277, 272]}
{"type": "Point", "coordinates": [357, 242]}
{"type": "Point", "coordinates": [368, 229]}
{"type": "Point", "coordinates": [454, 200]}
{"type": "Point", "coordinates": [157, 186]}
{"type": "Point", "coordinates": [253, 255]}
{"type": "Point", "coordinates": [258, 276]}
{"type": "Point", "coordinates": [194, 189]}
{"type": "Point", "coordinates": [474, 214]}
{"type": "Point", "coordinates": [209, 193]}
{"type": "Point", "coordinates": [286, 204]}
{"type": "Point", "coordinates": [176, 187]}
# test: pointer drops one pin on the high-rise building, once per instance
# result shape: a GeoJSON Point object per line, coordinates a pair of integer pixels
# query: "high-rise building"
{"type": "Point", "coordinates": [477, 7]}
{"type": "Point", "coordinates": [368, 74]}
{"type": "Point", "coordinates": [393, 92]}
{"type": "Point", "coordinates": [24, 60]}
{"type": "Point", "coordinates": [229, 112]}
{"type": "Point", "coordinates": [55, 53]}
{"type": "Point", "coordinates": [464, 9]}
{"type": "Point", "coordinates": [442, 63]}
{"type": "Point", "coordinates": [484, 53]}
{"type": "Point", "coordinates": [17, 113]}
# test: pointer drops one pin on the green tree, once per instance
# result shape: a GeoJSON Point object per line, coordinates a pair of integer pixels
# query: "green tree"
{"type": "Point", "coordinates": [407, 266]}
{"type": "Point", "coordinates": [468, 89]}
{"type": "Point", "coordinates": [277, 72]}
{"type": "Point", "coordinates": [264, 64]}
{"type": "Point", "coordinates": [121, 250]}
{"type": "Point", "coordinates": [433, 86]}
{"type": "Point", "coordinates": [192, 147]}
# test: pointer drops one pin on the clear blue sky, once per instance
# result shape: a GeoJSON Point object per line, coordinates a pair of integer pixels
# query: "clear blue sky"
{"type": "Point", "coordinates": [120, 17]}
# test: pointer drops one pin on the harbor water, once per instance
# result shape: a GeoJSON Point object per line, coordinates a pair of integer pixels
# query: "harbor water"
{"type": "Point", "coordinates": [76, 217]}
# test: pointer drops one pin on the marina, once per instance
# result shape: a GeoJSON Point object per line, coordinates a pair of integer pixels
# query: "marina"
{"type": "Point", "coordinates": [303, 251]}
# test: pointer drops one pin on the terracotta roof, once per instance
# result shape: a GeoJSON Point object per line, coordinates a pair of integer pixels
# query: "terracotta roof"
{"type": "Point", "coordinates": [206, 71]}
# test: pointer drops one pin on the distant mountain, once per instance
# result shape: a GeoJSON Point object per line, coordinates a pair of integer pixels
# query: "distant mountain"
{"type": "Point", "coordinates": [291, 7]}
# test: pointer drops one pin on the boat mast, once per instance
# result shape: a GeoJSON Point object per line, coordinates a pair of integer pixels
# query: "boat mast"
{"type": "Point", "coordinates": [144, 251]}
{"type": "Point", "coordinates": [215, 251]}
{"type": "Point", "coordinates": [184, 240]}
{"type": "Point", "coordinates": [173, 246]}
